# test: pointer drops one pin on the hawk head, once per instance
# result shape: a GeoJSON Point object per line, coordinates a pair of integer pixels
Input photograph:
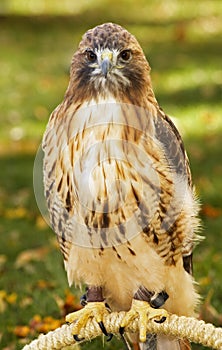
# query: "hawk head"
{"type": "Point", "coordinates": [109, 61]}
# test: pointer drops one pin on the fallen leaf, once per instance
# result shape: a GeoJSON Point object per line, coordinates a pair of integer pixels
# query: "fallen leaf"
{"type": "Point", "coordinates": [43, 284]}
{"type": "Point", "coordinates": [67, 304]}
{"type": "Point", "coordinates": [3, 303]}
{"type": "Point", "coordinates": [49, 324]}
{"type": "Point", "coordinates": [44, 325]}
{"type": "Point", "coordinates": [16, 213]}
{"type": "Point", "coordinates": [26, 301]}
{"type": "Point", "coordinates": [11, 298]}
{"type": "Point", "coordinates": [41, 223]}
{"type": "Point", "coordinates": [70, 304]}
{"type": "Point", "coordinates": [21, 331]}
{"type": "Point", "coordinates": [30, 255]}
{"type": "Point", "coordinates": [35, 321]}
{"type": "Point", "coordinates": [211, 212]}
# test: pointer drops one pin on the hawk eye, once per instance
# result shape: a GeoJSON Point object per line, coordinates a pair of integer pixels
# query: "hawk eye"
{"type": "Point", "coordinates": [125, 55]}
{"type": "Point", "coordinates": [91, 56]}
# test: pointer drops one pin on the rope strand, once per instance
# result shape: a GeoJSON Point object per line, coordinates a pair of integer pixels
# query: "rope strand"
{"type": "Point", "coordinates": [180, 327]}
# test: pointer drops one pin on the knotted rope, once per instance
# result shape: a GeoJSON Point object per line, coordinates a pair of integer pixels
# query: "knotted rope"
{"type": "Point", "coordinates": [180, 327]}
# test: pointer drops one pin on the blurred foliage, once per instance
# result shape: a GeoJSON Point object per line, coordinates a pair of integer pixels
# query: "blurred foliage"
{"type": "Point", "coordinates": [182, 41]}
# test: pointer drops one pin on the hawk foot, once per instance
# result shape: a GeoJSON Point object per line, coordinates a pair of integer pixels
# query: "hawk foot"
{"type": "Point", "coordinates": [144, 312]}
{"type": "Point", "coordinates": [96, 309]}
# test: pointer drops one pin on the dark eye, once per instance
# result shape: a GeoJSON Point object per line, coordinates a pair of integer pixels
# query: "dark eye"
{"type": "Point", "coordinates": [91, 56]}
{"type": "Point", "coordinates": [125, 55]}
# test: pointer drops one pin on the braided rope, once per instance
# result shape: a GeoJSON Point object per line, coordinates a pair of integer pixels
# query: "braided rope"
{"type": "Point", "coordinates": [180, 327]}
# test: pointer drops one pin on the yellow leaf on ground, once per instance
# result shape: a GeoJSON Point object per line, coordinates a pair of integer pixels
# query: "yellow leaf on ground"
{"type": "Point", "coordinates": [41, 223]}
{"type": "Point", "coordinates": [3, 304]}
{"type": "Point", "coordinates": [44, 325]}
{"type": "Point", "coordinates": [70, 303]}
{"type": "Point", "coordinates": [43, 284]}
{"type": "Point", "coordinates": [21, 331]}
{"type": "Point", "coordinates": [16, 213]}
{"type": "Point", "coordinates": [11, 298]}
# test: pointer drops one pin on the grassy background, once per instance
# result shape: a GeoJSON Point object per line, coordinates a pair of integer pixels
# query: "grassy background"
{"type": "Point", "coordinates": [182, 41]}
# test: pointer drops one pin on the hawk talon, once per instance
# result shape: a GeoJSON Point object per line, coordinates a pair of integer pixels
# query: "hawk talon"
{"type": "Point", "coordinates": [76, 337]}
{"type": "Point", "coordinates": [163, 319]}
{"type": "Point", "coordinates": [144, 312]}
{"type": "Point", "coordinates": [108, 307]}
{"type": "Point", "coordinates": [96, 310]}
{"type": "Point", "coordinates": [103, 328]}
{"type": "Point", "coordinates": [121, 330]}
{"type": "Point", "coordinates": [110, 337]}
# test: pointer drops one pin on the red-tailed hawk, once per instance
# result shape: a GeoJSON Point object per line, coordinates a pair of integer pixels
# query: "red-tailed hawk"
{"type": "Point", "coordinates": [119, 190]}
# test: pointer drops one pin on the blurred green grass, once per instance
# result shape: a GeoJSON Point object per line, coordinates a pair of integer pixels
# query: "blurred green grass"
{"type": "Point", "coordinates": [183, 45]}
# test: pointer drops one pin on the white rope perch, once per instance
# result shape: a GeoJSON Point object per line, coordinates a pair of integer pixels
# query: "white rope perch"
{"type": "Point", "coordinates": [180, 327]}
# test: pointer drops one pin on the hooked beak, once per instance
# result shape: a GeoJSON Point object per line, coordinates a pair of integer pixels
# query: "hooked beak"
{"type": "Point", "coordinates": [106, 63]}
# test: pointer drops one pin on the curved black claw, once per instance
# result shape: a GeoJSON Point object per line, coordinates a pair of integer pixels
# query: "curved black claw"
{"type": "Point", "coordinates": [161, 320]}
{"type": "Point", "coordinates": [108, 307]}
{"type": "Point", "coordinates": [110, 337]}
{"type": "Point", "coordinates": [121, 330]}
{"type": "Point", "coordinates": [76, 337]}
{"type": "Point", "coordinates": [103, 329]}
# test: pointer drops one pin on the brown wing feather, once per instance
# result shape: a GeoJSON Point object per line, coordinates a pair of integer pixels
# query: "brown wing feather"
{"type": "Point", "coordinates": [57, 178]}
{"type": "Point", "coordinates": [169, 136]}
